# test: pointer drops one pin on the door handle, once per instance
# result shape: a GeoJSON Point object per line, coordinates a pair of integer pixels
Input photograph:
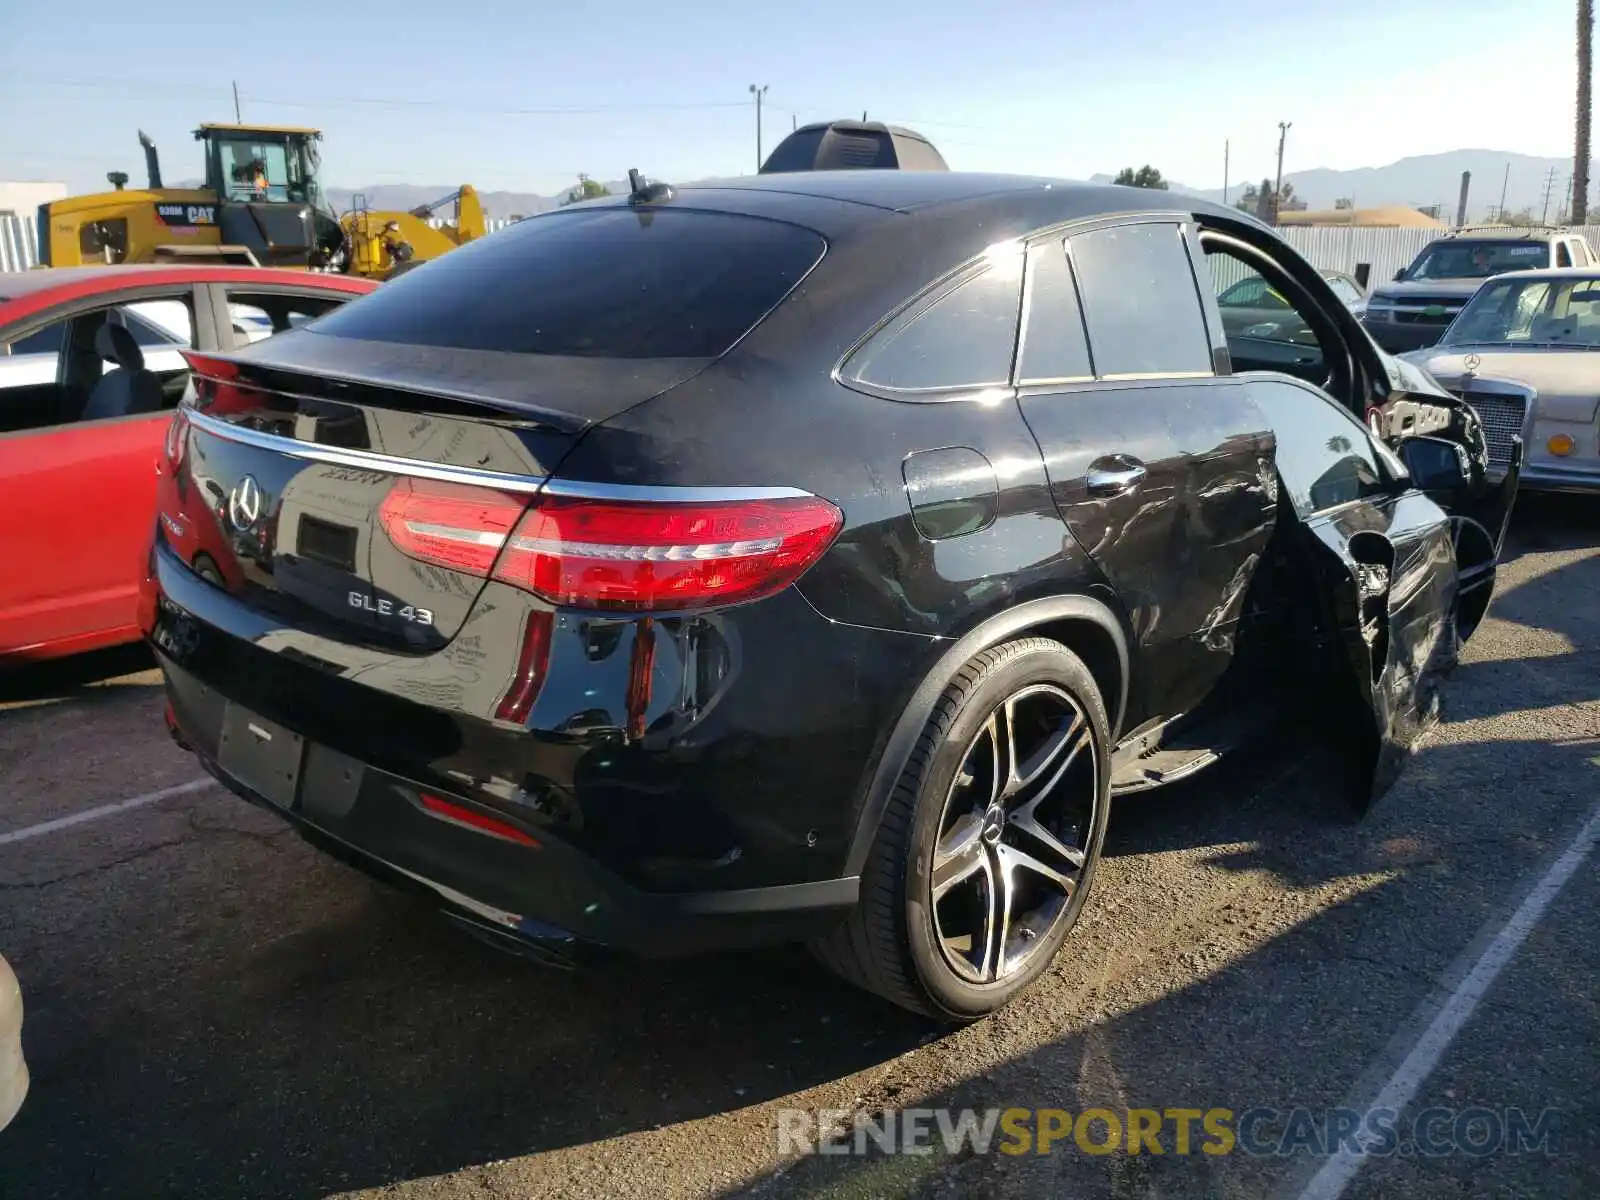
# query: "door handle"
{"type": "Point", "coordinates": [1115, 475]}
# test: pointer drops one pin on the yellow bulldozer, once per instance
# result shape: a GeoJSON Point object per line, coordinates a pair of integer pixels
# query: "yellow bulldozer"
{"type": "Point", "coordinates": [262, 204]}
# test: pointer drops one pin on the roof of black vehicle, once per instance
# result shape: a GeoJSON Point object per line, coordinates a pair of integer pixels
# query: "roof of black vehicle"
{"type": "Point", "coordinates": [903, 191]}
{"type": "Point", "coordinates": [833, 201]}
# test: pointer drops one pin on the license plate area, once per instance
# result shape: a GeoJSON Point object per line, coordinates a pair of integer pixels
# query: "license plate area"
{"type": "Point", "coordinates": [263, 756]}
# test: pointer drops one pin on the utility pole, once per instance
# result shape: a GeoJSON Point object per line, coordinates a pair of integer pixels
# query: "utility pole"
{"type": "Point", "coordinates": [1549, 186]}
{"type": "Point", "coordinates": [1277, 187]}
{"type": "Point", "coordinates": [1504, 183]}
{"type": "Point", "coordinates": [1580, 153]}
{"type": "Point", "coordinates": [758, 92]}
{"type": "Point", "coordinates": [1225, 149]}
{"type": "Point", "coordinates": [237, 119]}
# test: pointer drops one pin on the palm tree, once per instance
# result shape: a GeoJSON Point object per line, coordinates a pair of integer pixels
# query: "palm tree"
{"type": "Point", "coordinates": [1580, 153]}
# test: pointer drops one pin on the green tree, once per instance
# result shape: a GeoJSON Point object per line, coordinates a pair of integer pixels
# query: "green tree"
{"type": "Point", "coordinates": [1258, 199]}
{"type": "Point", "coordinates": [1145, 177]}
{"type": "Point", "coordinates": [587, 189]}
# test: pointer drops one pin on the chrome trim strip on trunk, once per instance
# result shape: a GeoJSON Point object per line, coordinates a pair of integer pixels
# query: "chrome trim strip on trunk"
{"type": "Point", "coordinates": [364, 460]}
{"type": "Point", "coordinates": [576, 489]}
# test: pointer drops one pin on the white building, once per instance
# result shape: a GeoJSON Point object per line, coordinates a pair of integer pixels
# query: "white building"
{"type": "Point", "coordinates": [23, 199]}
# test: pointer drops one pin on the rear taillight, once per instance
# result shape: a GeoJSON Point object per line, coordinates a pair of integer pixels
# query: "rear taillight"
{"type": "Point", "coordinates": [650, 557]}
{"type": "Point", "coordinates": [449, 525]}
{"type": "Point", "coordinates": [177, 438]}
{"type": "Point", "coordinates": [625, 556]}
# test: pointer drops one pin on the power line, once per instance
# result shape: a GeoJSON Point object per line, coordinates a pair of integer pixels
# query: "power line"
{"type": "Point", "coordinates": [385, 102]}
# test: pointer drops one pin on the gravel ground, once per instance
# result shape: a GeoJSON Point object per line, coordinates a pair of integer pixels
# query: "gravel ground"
{"type": "Point", "coordinates": [215, 1010]}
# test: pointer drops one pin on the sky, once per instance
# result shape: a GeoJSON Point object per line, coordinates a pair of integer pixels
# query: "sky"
{"type": "Point", "coordinates": [525, 96]}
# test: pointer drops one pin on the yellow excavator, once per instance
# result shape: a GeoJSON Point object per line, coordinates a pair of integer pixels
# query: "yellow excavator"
{"type": "Point", "coordinates": [262, 204]}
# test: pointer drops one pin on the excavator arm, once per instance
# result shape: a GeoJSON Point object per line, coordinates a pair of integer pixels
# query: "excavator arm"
{"type": "Point", "coordinates": [381, 241]}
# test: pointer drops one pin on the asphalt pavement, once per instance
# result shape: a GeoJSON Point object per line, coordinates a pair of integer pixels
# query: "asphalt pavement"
{"type": "Point", "coordinates": [213, 1009]}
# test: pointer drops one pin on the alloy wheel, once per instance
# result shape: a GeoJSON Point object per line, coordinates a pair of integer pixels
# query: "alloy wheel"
{"type": "Point", "coordinates": [1014, 834]}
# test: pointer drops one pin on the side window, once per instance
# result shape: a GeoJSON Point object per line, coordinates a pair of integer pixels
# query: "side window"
{"type": "Point", "coordinates": [1324, 457]}
{"type": "Point", "coordinates": [162, 323]}
{"type": "Point", "coordinates": [40, 341]}
{"type": "Point", "coordinates": [1054, 345]}
{"type": "Point", "coordinates": [1250, 293]}
{"type": "Point", "coordinates": [1275, 338]}
{"type": "Point", "coordinates": [1140, 301]}
{"type": "Point", "coordinates": [1563, 255]}
{"type": "Point", "coordinates": [258, 315]}
{"type": "Point", "coordinates": [64, 379]}
{"type": "Point", "coordinates": [964, 339]}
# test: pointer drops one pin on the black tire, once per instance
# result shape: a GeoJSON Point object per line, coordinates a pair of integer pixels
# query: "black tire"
{"type": "Point", "coordinates": [891, 944]}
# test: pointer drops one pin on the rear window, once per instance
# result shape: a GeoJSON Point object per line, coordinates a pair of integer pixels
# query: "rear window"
{"type": "Point", "coordinates": [597, 283]}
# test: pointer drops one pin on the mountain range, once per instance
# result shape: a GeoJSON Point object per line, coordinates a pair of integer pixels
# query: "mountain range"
{"type": "Point", "coordinates": [1427, 179]}
{"type": "Point", "coordinates": [1417, 181]}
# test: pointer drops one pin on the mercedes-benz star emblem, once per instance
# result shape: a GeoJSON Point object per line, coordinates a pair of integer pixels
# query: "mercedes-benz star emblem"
{"type": "Point", "coordinates": [244, 503]}
{"type": "Point", "coordinates": [1471, 363]}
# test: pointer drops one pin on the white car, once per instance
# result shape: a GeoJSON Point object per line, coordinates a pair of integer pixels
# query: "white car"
{"type": "Point", "coordinates": [13, 1071]}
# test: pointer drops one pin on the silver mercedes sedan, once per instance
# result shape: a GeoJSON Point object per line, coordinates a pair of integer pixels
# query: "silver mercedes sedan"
{"type": "Point", "coordinates": [1525, 352]}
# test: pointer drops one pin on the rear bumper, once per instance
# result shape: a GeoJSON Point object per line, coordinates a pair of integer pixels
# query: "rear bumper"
{"type": "Point", "coordinates": [546, 899]}
{"type": "Point", "coordinates": [723, 816]}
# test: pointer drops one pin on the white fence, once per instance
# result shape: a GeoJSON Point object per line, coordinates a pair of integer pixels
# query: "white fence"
{"type": "Point", "coordinates": [19, 247]}
{"type": "Point", "coordinates": [1330, 247]}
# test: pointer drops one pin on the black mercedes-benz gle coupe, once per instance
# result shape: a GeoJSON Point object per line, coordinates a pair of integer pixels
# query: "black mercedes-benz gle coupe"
{"type": "Point", "coordinates": [805, 558]}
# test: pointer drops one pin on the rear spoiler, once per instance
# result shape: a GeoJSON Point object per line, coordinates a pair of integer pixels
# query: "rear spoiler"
{"type": "Point", "coordinates": [238, 373]}
{"type": "Point", "coordinates": [567, 394]}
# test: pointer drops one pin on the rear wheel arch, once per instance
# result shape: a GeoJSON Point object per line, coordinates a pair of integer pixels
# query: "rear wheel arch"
{"type": "Point", "coordinates": [1085, 625]}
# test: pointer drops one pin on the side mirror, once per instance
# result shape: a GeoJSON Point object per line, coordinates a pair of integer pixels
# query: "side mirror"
{"type": "Point", "coordinates": [1400, 275]}
{"type": "Point", "coordinates": [1436, 464]}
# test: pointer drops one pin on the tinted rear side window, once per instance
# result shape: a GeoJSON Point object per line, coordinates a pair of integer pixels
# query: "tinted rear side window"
{"type": "Point", "coordinates": [1140, 301]}
{"type": "Point", "coordinates": [601, 283]}
{"type": "Point", "coordinates": [964, 339]}
{"type": "Point", "coordinates": [1053, 345]}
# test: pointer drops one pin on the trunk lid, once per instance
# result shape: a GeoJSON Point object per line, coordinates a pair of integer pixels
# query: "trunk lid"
{"type": "Point", "coordinates": [302, 476]}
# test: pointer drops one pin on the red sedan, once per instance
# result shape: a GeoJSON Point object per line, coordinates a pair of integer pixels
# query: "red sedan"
{"type": "Point", "coordinates": [90, 370]}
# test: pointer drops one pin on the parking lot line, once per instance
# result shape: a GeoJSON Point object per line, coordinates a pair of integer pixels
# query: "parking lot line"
{"type": "Point", "coordinates": [105, 810]}
{"type": "Point", "coordinates": [1340, 1169]}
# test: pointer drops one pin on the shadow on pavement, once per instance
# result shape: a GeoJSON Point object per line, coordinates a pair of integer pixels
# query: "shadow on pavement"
{"type": "Point", "coordinates": [75, 677]}
{"type": "Point", "coordinates": [296, 1029]}
{"type": "Point", "coordinates": [1296, 1020]}
{"type": "Point", "coordinates": [237, 1016]}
